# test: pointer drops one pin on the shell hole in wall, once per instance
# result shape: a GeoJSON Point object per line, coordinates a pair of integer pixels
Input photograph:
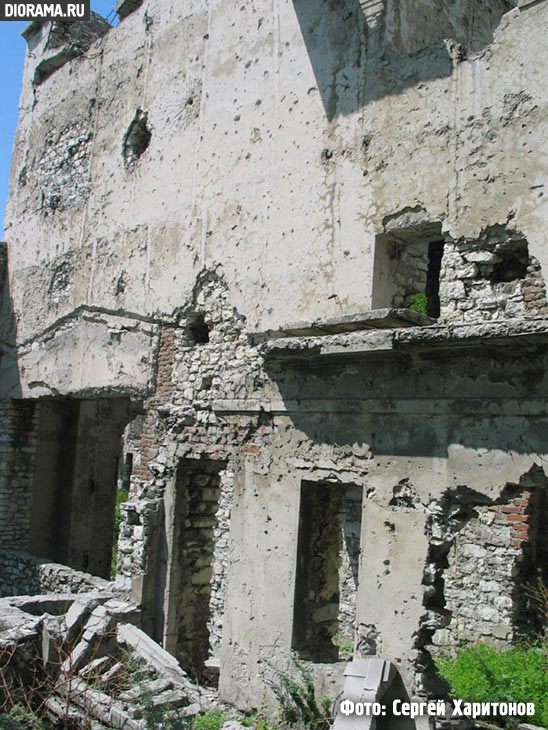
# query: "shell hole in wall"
{"type": "Point", "coordinates": [137, 138]}
{"type": "Point", "coordinates": [512, 264]}
{"type": "Point", "coordinates": [198, 329]}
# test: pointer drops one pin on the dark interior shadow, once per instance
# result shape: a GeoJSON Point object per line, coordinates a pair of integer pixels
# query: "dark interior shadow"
{"type": "Point", "coordinates": [10, 382]}
{"type": "Point", "coordinates": [363, 50]}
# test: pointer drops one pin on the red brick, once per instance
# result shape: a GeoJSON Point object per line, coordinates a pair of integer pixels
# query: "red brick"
{"type": "Point", "coordinates": [250, 449]}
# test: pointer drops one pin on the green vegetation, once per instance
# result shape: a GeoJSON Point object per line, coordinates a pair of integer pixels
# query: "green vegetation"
{"type": "Point", "coordinates": [121, 496]}
{"type": "Point", "coordinates": [158, 717]}
{"type": "Point", "coordinates": [297, 700]}
{"type": "Point", "coordinates": [298, 707]}
{"type": "Point", "coordinates": [20, 719]}
{"type": "Point", "coordinates": [210, 720]}
{"type": "Point", "coordinates": [481, 673]}
{"type": "Point", "coordinates": [345, 646]}
{"type": "Point", "coordinates": [417, 302]}
{"type": "Point", "coordinates": [256, 721]}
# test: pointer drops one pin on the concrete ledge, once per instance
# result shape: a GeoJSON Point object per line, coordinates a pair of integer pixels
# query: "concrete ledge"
{"type": "Point", "coordinates": [387, 318]}
{"type": "Point", "coordinates": [509, 333]}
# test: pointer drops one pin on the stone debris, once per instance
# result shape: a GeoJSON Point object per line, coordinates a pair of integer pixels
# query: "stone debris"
{"type": "Point", "coordinates": [99, 670]}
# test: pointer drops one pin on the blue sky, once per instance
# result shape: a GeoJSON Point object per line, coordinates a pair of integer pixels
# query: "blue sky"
{"type": "Point", "coordinates": [12, 56]}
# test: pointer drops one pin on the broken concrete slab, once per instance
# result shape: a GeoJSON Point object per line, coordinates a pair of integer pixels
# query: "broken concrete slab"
{"type": "Point", "coordinates": [153, 654]}
{"type": "Point", "coordinates": [96, 667]}
{"type": "Point", "coordinates": [103, 660]}
{"type": "Point", "coordinates": [371, 344]}
{"type": "Point", "coordinates": [77, 614]}
{"type": "Point", "coordinates": [97, 629]}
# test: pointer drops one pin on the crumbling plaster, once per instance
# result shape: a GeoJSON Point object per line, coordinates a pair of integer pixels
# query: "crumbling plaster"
{"type": "Point", "coordinates": [228, 169]}
{"type": "Point", "coordinates": [258, 201]}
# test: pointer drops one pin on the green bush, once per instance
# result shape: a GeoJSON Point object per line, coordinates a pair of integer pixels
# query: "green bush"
{"type": "Point", "coordinates": [482, 673]}
{"type": "Point", "coordinates": [256, 721]}
{"type": "Point", "coordinates": [160, 718]}
{"type": "Point", "coordinates": [345, 646]}
{"type": "Point", "coordinates": [210, 720]}
{"type": "Point", "coordinates": [299, 706]}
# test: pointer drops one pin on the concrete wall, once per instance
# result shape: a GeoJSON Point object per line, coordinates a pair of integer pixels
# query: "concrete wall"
{"type": "Point", "coordinates": [304, 116]}
{"type": "Point", "coordinates": [206, 174]}
{"type": "Point", "coordinates": [432, 454]}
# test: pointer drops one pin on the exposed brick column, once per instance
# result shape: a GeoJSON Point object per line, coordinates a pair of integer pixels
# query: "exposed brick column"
{"type": "Point", "coordinates": [162, 394]}
{"type": "Point", "coordinates": [533, 289]}
{"type": "Point", "coordinates": [516, 514]}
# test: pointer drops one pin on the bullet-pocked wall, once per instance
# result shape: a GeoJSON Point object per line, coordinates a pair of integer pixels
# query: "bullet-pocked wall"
{"type": "Point", "coordinates": [204, 208]}
{"type": "Point", "coordinates": [246, 135]}
{"type": "Point", "coordinates": [449, 494]}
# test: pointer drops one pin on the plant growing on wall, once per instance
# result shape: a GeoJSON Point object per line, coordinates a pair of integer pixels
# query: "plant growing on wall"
{"type": "Point", "coordinates": [299, 706]}
{"type": "Point", "coordinates": [418, 302]}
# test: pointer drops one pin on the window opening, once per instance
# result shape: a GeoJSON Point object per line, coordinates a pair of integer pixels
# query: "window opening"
{"type": "Point", "coordinates": [407, 269]}
{"type": "Point", "coordinates": [326, 580]}
{"type": "Point", "coordinates": [197, 496]}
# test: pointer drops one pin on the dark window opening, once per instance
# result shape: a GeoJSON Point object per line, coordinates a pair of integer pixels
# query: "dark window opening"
{"type": "Point", "coordinates": [199, 329]}
{"type": "Point", "coordinates": [432, 287]}
{"type": "Point", "coordinates": [407, 269]}
{"type": "Point", "coordinates": [327, 563]}
{"type": "Point", "coordinates": [512, 264]}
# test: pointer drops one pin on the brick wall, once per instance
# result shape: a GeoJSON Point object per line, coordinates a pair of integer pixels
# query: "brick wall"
{"type": "Point", "coordinates": [164, 389]}
{"type": "Point", "coordinates": [18, 422]}
{"type": "Point", "coordinates": [516, 516]}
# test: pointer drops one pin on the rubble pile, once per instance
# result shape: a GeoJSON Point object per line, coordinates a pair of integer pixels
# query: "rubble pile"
{"type": "Point", "coordinates": [83, 661]}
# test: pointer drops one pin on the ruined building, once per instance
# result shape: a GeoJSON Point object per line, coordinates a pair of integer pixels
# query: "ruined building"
{"type": "Point", "coordinates": [223, 223]}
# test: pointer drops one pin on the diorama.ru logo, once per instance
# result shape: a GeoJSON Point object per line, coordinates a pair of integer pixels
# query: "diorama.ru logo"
{"type": "Point", "coordinates": [45, 11]}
